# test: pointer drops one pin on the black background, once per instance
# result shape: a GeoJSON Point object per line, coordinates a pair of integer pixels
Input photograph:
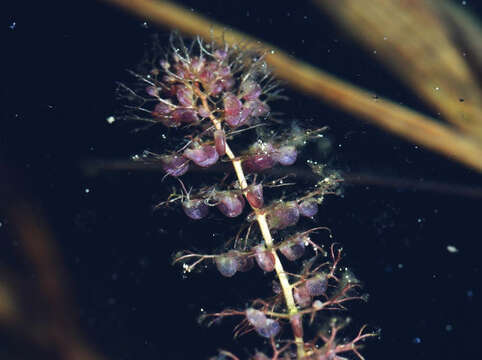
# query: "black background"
{"type": "Point", "coordinates": [60, 65]}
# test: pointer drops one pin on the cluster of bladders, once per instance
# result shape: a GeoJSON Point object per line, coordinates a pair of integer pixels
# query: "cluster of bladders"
{"type": "Point", "coordinates": [303, 294]}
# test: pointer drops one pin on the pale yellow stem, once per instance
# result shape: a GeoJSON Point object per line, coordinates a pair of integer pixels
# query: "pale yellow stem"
{"type": "Point", "coordinates": [263, 227]}
{"type": "Point", "coordinates": [268, 240]}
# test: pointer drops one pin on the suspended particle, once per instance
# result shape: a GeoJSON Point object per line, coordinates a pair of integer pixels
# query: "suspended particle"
{"type": "Point", "coordinates": [452, 249]}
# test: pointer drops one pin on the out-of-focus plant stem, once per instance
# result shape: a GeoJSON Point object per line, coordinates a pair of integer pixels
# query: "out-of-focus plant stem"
{"type": "Point", "coordinates": [57, 331]}
{"type": "Point", "coordinates": [421, 42]}
{"type": "Point", "coordinates": [392, 117]}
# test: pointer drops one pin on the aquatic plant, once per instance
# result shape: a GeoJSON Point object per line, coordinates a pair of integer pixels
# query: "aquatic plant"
{"type": "Point", "coordinates": [217, 102]}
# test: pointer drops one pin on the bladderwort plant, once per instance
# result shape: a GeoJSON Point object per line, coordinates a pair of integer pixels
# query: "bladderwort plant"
{"type": "Point", "coordinates": [215, 101]}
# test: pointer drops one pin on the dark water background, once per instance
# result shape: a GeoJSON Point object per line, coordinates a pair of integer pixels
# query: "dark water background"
{"type": "Point", "coordinates": [60, 65]}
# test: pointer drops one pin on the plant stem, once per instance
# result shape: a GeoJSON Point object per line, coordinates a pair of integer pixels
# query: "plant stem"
{"type": "Point", "coordinates": [263, 226]}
